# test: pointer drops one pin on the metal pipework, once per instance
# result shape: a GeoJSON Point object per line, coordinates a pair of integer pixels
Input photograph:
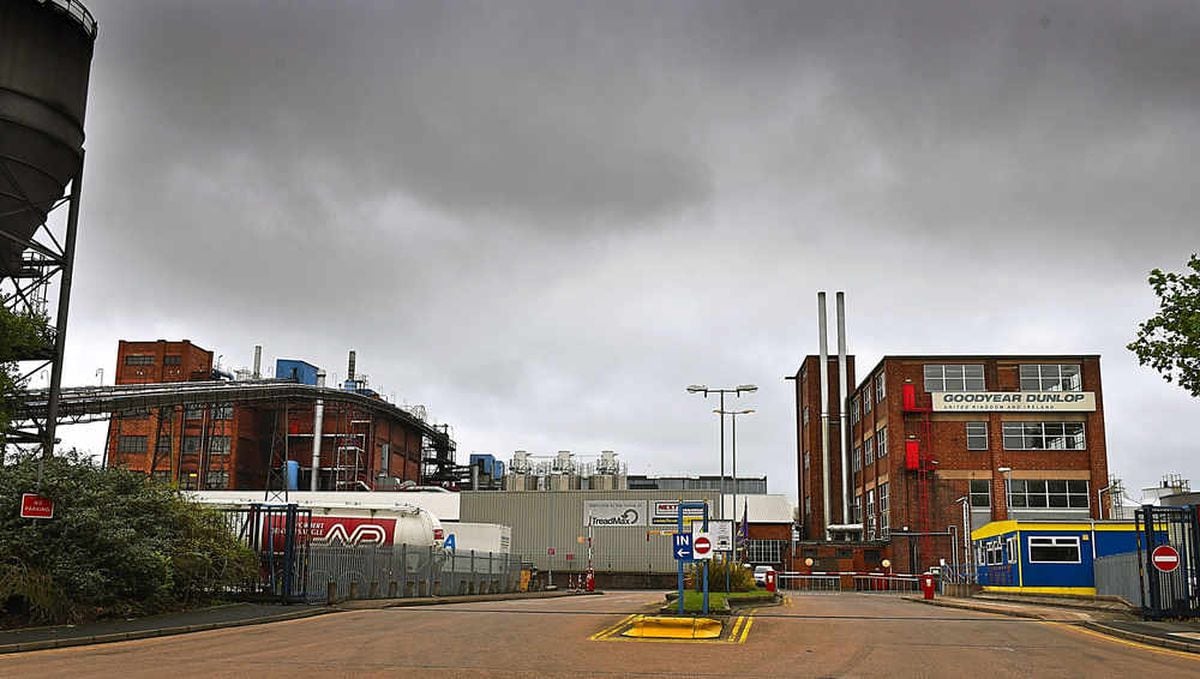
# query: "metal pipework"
{"type": "Point", "coordinates": [318, 427]}
{"type": "Point", "coordinates": [843, 403]}
{"type": "Point", "coordinates": [823, 331]}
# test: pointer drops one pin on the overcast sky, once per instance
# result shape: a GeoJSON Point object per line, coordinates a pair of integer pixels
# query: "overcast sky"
{"type": "Point", "coordinates": [544, 220]}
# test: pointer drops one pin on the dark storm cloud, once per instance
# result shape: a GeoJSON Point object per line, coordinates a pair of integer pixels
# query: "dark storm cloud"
{"type": "Point", "coordinates": [544, 219]}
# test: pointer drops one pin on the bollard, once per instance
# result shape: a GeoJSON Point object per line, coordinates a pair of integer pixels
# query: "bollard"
{"type": "Point", "coordinates": [330, 593]}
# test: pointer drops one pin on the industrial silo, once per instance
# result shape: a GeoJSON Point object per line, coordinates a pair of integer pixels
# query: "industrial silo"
{"type": "Point", "coordinates": [45, 59]}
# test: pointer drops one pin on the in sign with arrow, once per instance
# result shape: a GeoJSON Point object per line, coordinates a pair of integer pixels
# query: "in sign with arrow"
{"type": "Point", "coordinates": [681, 546]}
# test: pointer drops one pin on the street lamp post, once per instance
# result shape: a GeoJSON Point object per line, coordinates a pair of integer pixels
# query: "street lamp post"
{"type": "Point", "coordinates": [736, 391]}
{"type": "Point", "coordinates": [968, 560]}
{"type": "Point", "coordinates": [733, 418]}
{"type": "Point", "coordinates": [1007, 471]}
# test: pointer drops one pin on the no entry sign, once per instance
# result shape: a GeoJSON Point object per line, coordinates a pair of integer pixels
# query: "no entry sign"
{"type": "Point", "coordinates": [34, 506]}
{"type": "Point", "coordinates": [1165, 558]}
{"type": "Point", "coordinates": [702, 546]}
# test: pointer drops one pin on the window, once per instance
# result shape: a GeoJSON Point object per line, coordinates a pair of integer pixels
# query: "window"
{"type": "Point", "coordinates": [218, 445]}
{"type": "Point", "coordinates": [164, 444]}
{"type": "Point", "coordinates": [1044, 436]}
{"type": "Point", "coordinates": [1053, 377]}
{"type": "Point", "coordinates": [981, 493]}
{"type": "Point", "coordinates": [854, 411]}
{"type": "Point", "coordinates": [857, 462]}
{"type": "Point", "coordinates": [868, 451]}
{"type": "Point", "coordinates": [1048, 494]}
{"type": "Point", "coordinates": [170, 359]}
{"type": "Point", "coordinates": [995, 553]}
{"type": "Point", "coordinates": [1010, 545]}
{"type": "Point", "coordinates": [856, 510]}
{"type": "Point", "coordinates": [880, 392]}
{"type": "Point", "coordinates": [193, 411]}
{"type": "Point", "coordinates": [884, 507]}
{"type": "Point", "coordinates": [954, 378]}
{"type": "Point", "coordinates": [1053, 550]}
{"type": "Point", "coordinates": [870, 510]}
{"type": "Point", "coordinates": [765, 551]}
{"type": "Point", "coordinates": [191, 444]}
{"type": "Point", "coordinates": [977, 436]}
{"type": "Point", "coordinates": [131, 444]}
{"type": "Point", "coordinates": [139, 359]}
{"type": "Point", "coordinates": [223, 411]}
{"type": "Point", "coordinates": [217, 480]}
{"type": "Point", "coordinates": [866, 399]}
{"type": "Point", "coordinates": [881, 443]}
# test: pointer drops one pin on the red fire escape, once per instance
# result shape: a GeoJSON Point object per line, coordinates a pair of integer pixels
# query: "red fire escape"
{"type": "Point", "coordinates": [920, 464]}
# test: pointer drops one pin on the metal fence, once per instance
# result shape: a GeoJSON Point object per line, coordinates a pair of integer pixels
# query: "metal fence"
{"type": "Point", "coordinates": [342, 572]}
{"type": "Point", "coordinates": [272, 532]}
{"type": "Point", "coordinates": [1117, 575]}
{"type": "Point", "coordinates": [835, 583]}
{"type": "Point", "coordinates": [1169, 550]}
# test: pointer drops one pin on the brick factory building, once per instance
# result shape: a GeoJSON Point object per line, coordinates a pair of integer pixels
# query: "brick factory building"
{"type": "Point", "coordinates": [940, 441]}
{"type": "Point", "coordinates": [237, 442]}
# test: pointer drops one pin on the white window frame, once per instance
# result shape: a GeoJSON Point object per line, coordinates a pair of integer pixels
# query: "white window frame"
{"type": "Point", "coordinates": [1033, 433]}
{"type": "Point", "coordinates": [868, 451]}
{"type": "Point", "coordinates": [1025, 493]}
{"type": "Point", "coordinates": [880, 384]}
{"type": "Point", "coordinates": [986, 443]}
{"type": "Point", "coordinates": [881, 443]}
{"type": "Point", "coordinates": [942, 374]}
{"type": "Point", "coordinates": [1011, 546]}
{"type": "Point", "coordinates": [1049, 377]}
{"type": "Point", "coordinates": [1054, 541]}
{"type": "Point", "coordinates": [867, 399]}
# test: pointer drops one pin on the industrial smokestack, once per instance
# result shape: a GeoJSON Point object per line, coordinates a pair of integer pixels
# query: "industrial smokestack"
{"type": "Point", "coordinates": [318, 426]}
{"type": "Point", "coordinates": [843, 401]}
{"type": "Point", "coordinates": [257, 361]}
{"type": "Point", "coordinates": [350, 367]}
{"type": "Point", "coordinates": [823, 330]}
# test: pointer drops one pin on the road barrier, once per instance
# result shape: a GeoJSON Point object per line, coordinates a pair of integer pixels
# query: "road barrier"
{"type": "Point", "coordinates": [850, 581]}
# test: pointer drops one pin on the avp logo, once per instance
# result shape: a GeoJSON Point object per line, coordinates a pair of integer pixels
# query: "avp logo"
{"type": "Point", "coordinates": [363, 534]}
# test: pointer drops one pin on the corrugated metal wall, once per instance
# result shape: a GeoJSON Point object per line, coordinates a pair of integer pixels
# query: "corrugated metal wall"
{"type": "Point", "coordinates": [547, 519]}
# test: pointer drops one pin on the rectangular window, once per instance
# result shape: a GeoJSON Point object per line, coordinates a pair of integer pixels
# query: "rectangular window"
{"type": "Point", "coordinates": [880, 392]}
{"type": "Point", "coordinates": [1052, 377]}
{"type": "Point", "coordinates": [856, 510]}
{"type": "Point", "coordinates": [218, 445]}
{"type": "Point", "coordinates": [193, 411]}
{"type": "Point", "coordinates": [191, 444]}
{"type": "Point", "coordinates": [765, 551]}
{"type": "Point", "coordinates": [940, 377]}
{"type": "Point", "coordinates": [854, 411]}
{"type": "Point", "coordinates": [857, 462]}
{"type": "Point", "coordinates": [868, 451]}
{"type": "Point", "coordinates": [870, 510]}
{"type": "Point", "coordinates": [1048, 494]}
{"type": "Point", "coordinates": [884, 511]}
{"type": "Point", "coordinates": [170, 359]}
{"type": "Point", "coordinates": [1053, 550]}
{"type": "Point", "coordinates": [217, 480]}
{"type": "Point", "coordinates": [881, 443]}
{"type": "Point", "coordinates": [131, 444]}
{"type": "Point", "coordinates": [867, 401]}
{"type": "Point", "coordinates": [139, 359]}
{"type": "Point", "coordinates": [1044, 436]}
{"type": "Point", "coordinates": [981, 493]}
{"type": "Point", "coordinates": [223, 411]}
{"type": "Point", "coordinates": [977, 436]}
{"type": "Point", "coordinates": [995, 553]}
{"type": "Point", "coordinates": [1011, 547]}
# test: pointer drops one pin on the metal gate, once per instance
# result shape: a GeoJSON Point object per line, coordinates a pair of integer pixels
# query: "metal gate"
{"type": "Point", "coordinates": [278, 534]}
{"type": "Point", "coordinates": [1169, 561]}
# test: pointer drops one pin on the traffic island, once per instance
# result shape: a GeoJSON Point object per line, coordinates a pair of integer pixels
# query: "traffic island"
{"type": "Point", "coordinates": [673, 627]}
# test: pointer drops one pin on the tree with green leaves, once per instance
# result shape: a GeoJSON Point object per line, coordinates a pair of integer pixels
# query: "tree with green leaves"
{"type": "Point", "coordinates": [23, 335]}
{"type": "Point", "coordinates": [1169, 341]}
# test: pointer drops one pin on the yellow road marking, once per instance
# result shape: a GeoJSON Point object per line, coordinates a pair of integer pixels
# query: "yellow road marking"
{"type": "Point", "coordinates": [1126, 642]}
{"type": "Point", "coordinates": [608, 631]}
{"type": "Point", "coordinates": [737, 624]}
{"type": "Point", "coordinates": [738, 633]}
{"type": "Point", "coordinates": [746, 628]}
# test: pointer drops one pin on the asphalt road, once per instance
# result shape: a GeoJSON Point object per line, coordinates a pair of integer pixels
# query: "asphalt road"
{"type": "Point", "coordinates": [812, 636]}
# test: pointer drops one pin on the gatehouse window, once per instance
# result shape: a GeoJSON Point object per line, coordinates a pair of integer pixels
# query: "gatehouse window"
{"type": "Point", "coordinates": [1053, 550]}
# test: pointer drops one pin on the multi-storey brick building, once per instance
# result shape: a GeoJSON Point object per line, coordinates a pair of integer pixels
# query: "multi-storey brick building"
{"type": "Point", "coordinates": [233, 443]}
{"type": "Point", "coordinates": [941, 444]}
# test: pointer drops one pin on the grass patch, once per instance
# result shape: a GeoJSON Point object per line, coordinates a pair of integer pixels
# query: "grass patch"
{"type": "Point", "coordinates": [717, 601]}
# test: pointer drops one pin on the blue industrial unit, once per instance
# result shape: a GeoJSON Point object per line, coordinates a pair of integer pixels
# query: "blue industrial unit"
{"type": "Point", "coordinates": [1047, 557]}
{"type": "Point", "coordinates": [292, 369]}
{"type": "Point", "coordinates": [489, 463]}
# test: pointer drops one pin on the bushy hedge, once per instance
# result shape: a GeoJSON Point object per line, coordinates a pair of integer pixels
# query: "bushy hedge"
{"type": "Point", "coordinates": [741, 578]}
{"type": "Point", "coordinates": [119, 544]}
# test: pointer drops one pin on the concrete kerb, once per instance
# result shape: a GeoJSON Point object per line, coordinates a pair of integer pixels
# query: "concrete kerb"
{"type": "Point", "coordinates": [1173, 644]}
{"type": "Point", "coordinates": [367, 604]}
{"type": "Point", "coordinates": [47, 644]}
{"type": "Point", "coordinates": [999, 610]}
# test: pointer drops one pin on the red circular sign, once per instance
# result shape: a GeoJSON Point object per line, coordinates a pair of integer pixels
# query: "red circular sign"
{"type": "Point", "coordinates": [1165, 558]}
{"type": "Point", "coordinates": [702, 546]}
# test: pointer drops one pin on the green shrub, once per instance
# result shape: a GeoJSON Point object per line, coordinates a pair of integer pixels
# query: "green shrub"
{"type": "Point", "coordinates": [119, 544]}
{"type": "Point", "coordinates": [741, 578]}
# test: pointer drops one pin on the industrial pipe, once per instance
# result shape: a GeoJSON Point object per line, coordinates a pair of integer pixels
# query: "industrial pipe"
{"type": "Point", "coordinates": [318, 424]}
{"type": "Point", "coordinates": [843, 402]}
{"type": "Point", "coordinates": [823, 330]}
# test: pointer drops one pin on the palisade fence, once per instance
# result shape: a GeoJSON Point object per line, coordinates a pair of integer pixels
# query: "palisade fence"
{"type": "Point", "coordinates": [1117, 575]}
{"type": "Point", "coordinates": [341, 572]}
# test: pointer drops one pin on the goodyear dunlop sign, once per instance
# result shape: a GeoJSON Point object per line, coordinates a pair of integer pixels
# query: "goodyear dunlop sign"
{"type": "Point", "coordinates": [602, 513]}
{"type": "Point", "coordinates": [975, 401]}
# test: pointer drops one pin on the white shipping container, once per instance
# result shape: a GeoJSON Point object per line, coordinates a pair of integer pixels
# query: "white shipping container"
{"type": "Point", "coordinates": [481, 537]}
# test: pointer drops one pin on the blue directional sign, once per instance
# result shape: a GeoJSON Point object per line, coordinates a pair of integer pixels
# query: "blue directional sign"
{"type": "Point", "coordinates": [682, 546]}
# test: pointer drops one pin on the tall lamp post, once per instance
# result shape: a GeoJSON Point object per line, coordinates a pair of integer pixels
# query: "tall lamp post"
{"type": "Point", "coordinates": [736, 391]}
{"type": "Point", "coordinates": [968, 560]}
{"type": "Point", "coordinates": [733, 420]}
{"type": "Point", "coordinates": [1007, 471]}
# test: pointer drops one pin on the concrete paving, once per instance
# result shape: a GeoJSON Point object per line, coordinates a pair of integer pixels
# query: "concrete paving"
{"type": "Point", "coordinates": [813, 635]}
